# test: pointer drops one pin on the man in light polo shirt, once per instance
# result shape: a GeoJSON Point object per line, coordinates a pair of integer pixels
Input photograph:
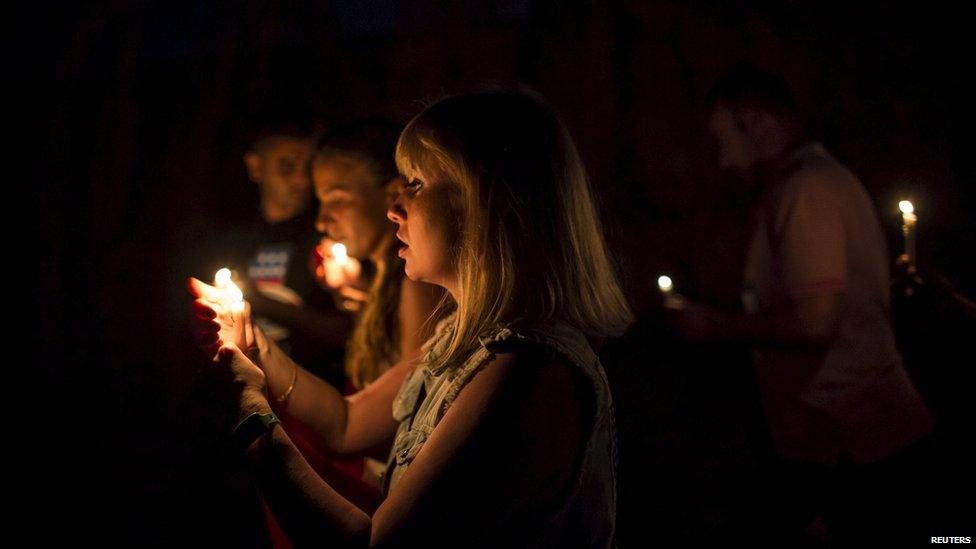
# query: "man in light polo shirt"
{"type": "Point", "coordinates": [840, 406]}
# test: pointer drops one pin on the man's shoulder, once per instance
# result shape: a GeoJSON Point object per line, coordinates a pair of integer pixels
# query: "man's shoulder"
{"type": "Point", "coordinates": [817, 175]}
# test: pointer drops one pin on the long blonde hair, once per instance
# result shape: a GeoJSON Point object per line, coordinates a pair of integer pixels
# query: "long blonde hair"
{"type": "Point", "coordinates": [531, 247]}
{"type": "Point", "coordinates": [374, 345]}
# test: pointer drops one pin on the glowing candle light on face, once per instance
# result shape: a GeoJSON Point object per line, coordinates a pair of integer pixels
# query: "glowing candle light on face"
{"type": "Point", "coordinates": [908, 222]}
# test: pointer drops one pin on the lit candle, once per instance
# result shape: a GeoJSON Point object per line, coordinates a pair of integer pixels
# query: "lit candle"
{"type": "Point", "coordinates": [665, 284]}
{"type": "Point", "coordinates": [908, 222]}
{"type": "Point", "coordinates": [672, 300]}
{"type": "Point", "coordinates": [339, 253]}
{"type": "Point", "coordinates": [231, 296]}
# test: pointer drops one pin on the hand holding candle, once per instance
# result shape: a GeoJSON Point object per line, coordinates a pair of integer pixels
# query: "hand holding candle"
{"type": "Point", "coordinates": [237, 317]}
{"type": "Point", "coordinates": [338, 269]}
{"type": "Point", "coordinates": [220, 314]}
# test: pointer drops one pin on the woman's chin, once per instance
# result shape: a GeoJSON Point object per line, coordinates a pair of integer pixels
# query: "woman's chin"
{"type": "Point", "coordinates": [412, 274]}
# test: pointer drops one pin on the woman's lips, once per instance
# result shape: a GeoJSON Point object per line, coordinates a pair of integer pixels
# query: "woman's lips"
{"type": "Point", "coordinates": [404, 247]}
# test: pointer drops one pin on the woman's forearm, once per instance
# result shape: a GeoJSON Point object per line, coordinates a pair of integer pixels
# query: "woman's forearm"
{"type": "Point", "coordinates": [311, 400]}
{"type": "Point", "coordinates": [277, 366]}
{"type": "Point", "coordinates": [309, 510]}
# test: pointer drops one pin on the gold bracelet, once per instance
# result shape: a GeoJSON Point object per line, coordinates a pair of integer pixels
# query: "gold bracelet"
{"type": "Point", "coordinates": [294, 377]}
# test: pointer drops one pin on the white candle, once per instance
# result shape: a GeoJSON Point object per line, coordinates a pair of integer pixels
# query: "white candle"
{"type": "Point", "coordinates": [907, 211]}
{"type": "Point", "coordinates": [231, 296]}
{"type": "Point", "coordinates": [340, 254]}
{"type": "Point", "coordinates": [908, 222]}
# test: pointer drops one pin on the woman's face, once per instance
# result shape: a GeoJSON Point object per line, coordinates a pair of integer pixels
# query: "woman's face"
{"type": "Point", "coordinates": [352, 205]}
{"type": "Point", "coordinates": [425, 211]}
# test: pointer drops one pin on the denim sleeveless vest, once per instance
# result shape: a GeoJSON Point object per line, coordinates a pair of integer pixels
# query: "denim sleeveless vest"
{"type": "Point", "coordinates": [586, 515]}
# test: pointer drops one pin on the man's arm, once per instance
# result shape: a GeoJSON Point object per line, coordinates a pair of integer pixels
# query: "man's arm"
{"type": "Point", "coordinates": [807, 322]}
{"type": "Point", "coordinates": [809, 256]}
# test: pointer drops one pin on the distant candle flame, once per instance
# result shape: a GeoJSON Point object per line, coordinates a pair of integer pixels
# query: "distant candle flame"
{"type": "Point", "coordinates": [909, 222]}
{"type": "Point", "coordinates": [664, 283]}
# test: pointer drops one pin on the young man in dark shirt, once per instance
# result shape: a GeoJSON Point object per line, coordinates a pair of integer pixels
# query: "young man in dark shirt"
{"type": "Point", "coordinates": [273, 253]}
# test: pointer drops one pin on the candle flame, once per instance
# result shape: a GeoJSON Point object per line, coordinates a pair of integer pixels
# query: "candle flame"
{"type": "Point", "coordinates": [665, 283]}
{"type": "Point", "coordinates": [222, 278]}
{"type": "Point", "coordinates": [339, 253]}
{"type": "Point", "coordinates": [231, 294]}
{"type": "Point", "coordinates": [906, 207]}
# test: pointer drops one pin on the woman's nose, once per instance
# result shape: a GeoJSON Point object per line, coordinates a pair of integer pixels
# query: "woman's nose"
{"type": "Point", "coordinates": [396, 213]}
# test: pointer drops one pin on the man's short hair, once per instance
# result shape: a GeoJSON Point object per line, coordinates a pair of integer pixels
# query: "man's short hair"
{"type": "Point", "coordinates": [747, 85]}
{"type": "Point", "coordinates": [266, 131]}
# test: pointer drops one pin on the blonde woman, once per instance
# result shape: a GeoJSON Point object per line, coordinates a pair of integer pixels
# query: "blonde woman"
{"type": "Point", "coordinates": [503, 432]}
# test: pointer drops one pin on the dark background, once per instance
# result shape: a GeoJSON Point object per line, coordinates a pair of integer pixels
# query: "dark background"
{"type": "Point", "coordinates": [142, 109]}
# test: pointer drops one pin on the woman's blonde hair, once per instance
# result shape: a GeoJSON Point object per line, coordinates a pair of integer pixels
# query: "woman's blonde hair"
{"type": "Point", "coordinates": [531, 248]}
{"type": "Point", "coordinates": [374, 344]}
